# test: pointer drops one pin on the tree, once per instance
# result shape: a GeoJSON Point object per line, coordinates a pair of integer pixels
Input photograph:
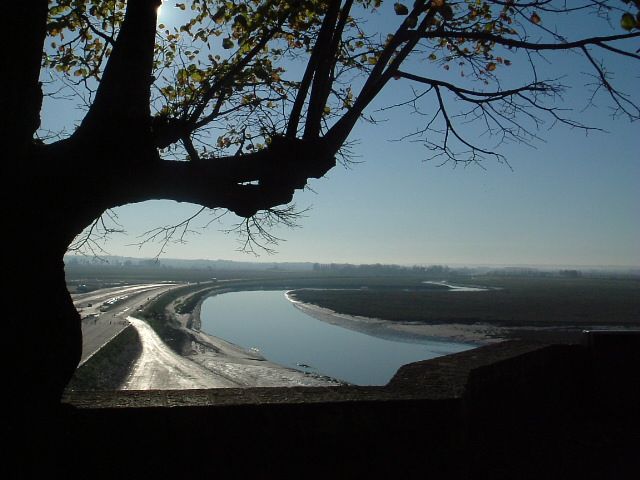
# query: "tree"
{"type": "Point", "coordinates": [156, 97]}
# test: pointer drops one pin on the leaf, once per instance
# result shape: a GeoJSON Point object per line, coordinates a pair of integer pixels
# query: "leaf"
{"type": "Point", "coordinates": [227, 43]}
{"type": "Point", "coordinates": [491, 66]}
{"type": "Point", "coordinates": [181, 6]}
{"type": "Point", "coordinates": [240, 20]}
{"type": "Point", "coordinates": [411, 21]}
{"type": "Point", "coordinates": [628, 22]}
{"type": "Point", "coordinates": [219, 16]}
{"type": "Point", "coordinates": [182, 76]}
{"type": "Point", "coordinates": [535, 18]}
{"type": "Point", "coordinates": [400, 9]}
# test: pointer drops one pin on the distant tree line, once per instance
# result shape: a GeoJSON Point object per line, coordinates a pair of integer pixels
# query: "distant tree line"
{"type": "Point", "coordinates": [381, 269]}
{"type": "Point", "coordinates": [534, 272]}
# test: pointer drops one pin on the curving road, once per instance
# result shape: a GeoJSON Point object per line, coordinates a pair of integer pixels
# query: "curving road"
{"type": "Point", "coordinates": [98, 328]}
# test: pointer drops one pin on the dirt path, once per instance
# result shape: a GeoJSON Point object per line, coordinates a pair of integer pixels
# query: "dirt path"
{"type": "Point", "coordinates": [160, 368]}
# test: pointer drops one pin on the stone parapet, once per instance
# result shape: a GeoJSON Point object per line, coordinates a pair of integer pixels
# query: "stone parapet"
{"type": "Point", "coordinates": [509, 410]}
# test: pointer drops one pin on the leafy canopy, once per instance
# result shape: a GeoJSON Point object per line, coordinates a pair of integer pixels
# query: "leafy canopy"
{"type": "Point", "coordinates": [232, 70]}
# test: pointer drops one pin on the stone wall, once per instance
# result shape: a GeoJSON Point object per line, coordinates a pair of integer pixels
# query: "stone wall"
{"type": "Point", "coordinates": [509, 410]}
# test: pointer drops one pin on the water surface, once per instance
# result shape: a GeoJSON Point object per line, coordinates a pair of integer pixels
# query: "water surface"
{"type": "Point", "coordinates": [268, 322]}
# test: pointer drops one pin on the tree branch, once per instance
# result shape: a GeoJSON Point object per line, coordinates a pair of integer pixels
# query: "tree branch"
{"type": "Point", "coordinates": [321, 81]}
{"type": "Point", "coordinates": [121, 105]}
{"type": "Point", "coordinates": [511, 42]}
{"type": "Point", "coordinates": [305, 84]}
{"type": "Point", "coordinates": [381, 73]}
{"type": "Point", "coordinates": [243, 184]}
{"type": "Point", "coordinates": [20, 91]}
{"type": "Point", "coordinates": [467, 95]}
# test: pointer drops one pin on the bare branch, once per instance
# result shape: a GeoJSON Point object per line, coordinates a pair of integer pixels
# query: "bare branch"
{"type": "Point", "coordinates": [167, 234]}
{"type": "Point", "coordinates": [514, 43]}
{"type": "Point", "coordinates": [255, 232]}
{"type": "Point", "coordinates": [631, 109]}
{"type": "Point", "coordinates": [92, 239]}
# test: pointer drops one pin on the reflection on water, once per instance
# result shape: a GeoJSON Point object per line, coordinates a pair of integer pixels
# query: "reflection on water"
{"type": "Point", "coordinates": [268, 322]}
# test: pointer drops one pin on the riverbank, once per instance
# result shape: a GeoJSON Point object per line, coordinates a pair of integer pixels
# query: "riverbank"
{"type": "Point", "coordinates": [551, 310]}
{"type": "Point", "coordinates": [239, 366]}
{"type": "Point", "coordinates": [477, 334]}
{"type": "Point", "coordinates": [473, 332]}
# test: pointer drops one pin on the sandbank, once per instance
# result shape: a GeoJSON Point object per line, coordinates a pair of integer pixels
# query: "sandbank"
{"type": "Point", "coordinates": [476, 334]}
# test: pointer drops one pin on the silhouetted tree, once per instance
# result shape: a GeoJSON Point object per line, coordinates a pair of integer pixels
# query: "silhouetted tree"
{"type": "Point", "coordinates": [244, 131]}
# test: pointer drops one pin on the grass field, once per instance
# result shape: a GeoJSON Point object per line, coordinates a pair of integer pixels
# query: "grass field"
{"type": "Point", "coordinates": [512, 301]}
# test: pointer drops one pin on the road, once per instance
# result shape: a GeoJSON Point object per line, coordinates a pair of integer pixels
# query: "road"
{"type": "Point", "coordinates": [98, 328]}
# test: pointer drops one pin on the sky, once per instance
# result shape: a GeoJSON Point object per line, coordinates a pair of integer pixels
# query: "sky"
{"type": "Point", "coordinates": [573, 200]}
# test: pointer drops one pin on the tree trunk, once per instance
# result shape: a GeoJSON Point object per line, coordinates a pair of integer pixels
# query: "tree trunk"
{"type": "Point", "coordinates": [52, 192]}
{"type": "Point", "coordinates": [42, 338]}
{"type": "Point", "coordinates": [42, 325]}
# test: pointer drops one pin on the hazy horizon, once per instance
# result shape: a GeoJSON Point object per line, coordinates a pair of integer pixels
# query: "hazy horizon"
{"type": "Point", "coordinates": [264, 261]}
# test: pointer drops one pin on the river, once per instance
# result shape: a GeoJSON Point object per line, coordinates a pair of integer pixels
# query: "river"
{"type": "Point", "coordinates": [266, 321]}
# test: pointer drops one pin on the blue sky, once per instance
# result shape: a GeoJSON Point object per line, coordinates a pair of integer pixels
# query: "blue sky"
{"type": "Point", "coordinates": [572, 200]}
